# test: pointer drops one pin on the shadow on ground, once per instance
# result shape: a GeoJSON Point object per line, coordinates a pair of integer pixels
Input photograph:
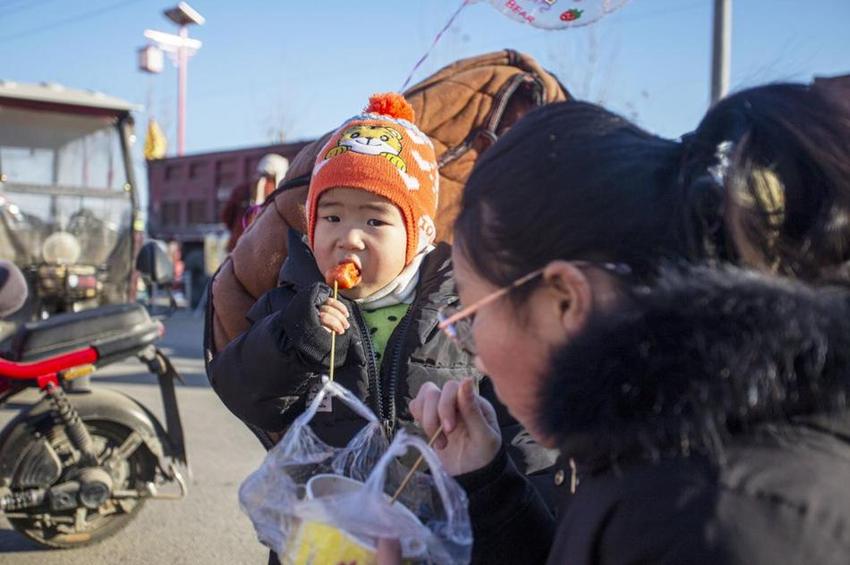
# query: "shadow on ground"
{"type": "Point", "coordinates": [10, 540]}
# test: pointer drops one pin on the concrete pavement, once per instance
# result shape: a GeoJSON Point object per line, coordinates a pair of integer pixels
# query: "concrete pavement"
{"type": "Point", "coordinates": [205, 527]}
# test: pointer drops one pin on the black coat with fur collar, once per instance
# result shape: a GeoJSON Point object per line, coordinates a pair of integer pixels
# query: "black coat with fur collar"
{"type": "Point", "coordinates": [708, 424]}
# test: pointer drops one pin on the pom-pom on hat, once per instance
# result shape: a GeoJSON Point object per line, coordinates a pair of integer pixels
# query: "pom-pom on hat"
{"type": "Point", "coordinates": [383, 152]}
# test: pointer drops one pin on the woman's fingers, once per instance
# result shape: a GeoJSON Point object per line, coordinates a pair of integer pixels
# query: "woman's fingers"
{"type": "Point", "coordinates": [447, 406]}
{"type": "Point", "coordinates": [457, 402]}
{"type": "Point", "coordinates": [417, 405]}
{"type": "Point", "coordinates": [479, 418]}
{"type": "Point", "coordinates": [423, 408]}
{"type": "Point", "coordinates": [488, 411]}
{"type": "Point", "coordinates": [470, 437]}
{"type": "Point", "coordinates": [470, 407]}
{"type": "Point", "coordinates": [430, 420]}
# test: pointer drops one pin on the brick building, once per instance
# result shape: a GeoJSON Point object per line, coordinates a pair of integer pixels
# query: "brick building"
{"type": "Point", "coordinates": [186, 194]}
{"type": "Point", "coordinates": [185, 198]}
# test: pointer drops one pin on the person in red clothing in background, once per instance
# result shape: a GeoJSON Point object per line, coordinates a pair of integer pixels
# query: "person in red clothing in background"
{"type": "Point", "coordinates": [247, 197]}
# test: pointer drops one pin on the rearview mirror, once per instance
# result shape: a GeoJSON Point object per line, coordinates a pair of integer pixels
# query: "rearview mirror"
{"type": "Point", "coordinates": [154, 263]}
{"type": "Point", "coordinates": [13, 288]}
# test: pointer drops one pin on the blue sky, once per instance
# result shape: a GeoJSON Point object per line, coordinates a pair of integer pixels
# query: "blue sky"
{"type": "Point", "coordinates": [301, 67]}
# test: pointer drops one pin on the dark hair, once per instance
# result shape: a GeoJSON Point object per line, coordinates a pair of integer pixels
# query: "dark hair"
{"type": "Point", "coordinates": [572, 181]}
{"type": "Point", "coordinates": [765, 178]}
{"type": "Point", "coordinates": [786, 178]}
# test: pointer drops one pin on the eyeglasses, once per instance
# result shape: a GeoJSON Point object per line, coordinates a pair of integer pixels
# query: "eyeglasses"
{"type": "Point", "coordinates": [457, 322]}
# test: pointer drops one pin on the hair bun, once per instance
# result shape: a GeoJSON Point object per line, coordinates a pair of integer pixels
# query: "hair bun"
{"type": "Point", "coordinates": [391, 104]}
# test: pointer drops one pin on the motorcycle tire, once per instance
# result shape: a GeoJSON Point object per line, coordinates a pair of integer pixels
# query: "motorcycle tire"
{"type": "Point", "coordinates": [131, 474]}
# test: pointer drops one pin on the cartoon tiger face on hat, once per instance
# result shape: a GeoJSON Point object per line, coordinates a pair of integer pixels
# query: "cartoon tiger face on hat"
{"type": "Point", "coordinates": [371, 139]}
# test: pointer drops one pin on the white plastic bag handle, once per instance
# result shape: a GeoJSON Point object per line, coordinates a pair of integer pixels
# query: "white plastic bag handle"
{"type": "Point", "coordinates": [403, 441]}
{"type": "Point", "coordinates": [335, 390]}
{"type": "Point", "coordinates": [346, 396]}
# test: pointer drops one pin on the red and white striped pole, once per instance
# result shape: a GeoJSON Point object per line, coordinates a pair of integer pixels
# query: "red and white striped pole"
{"type": "Point", "coordinates": [182, 63]}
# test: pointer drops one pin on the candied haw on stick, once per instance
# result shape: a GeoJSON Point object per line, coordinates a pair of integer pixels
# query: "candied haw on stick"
{"type": "Point", "coordinates": [346, 275]}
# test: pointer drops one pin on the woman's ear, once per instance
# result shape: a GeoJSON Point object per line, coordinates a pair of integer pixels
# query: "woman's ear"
{"type": "Point", "coordinates": [572, 294]}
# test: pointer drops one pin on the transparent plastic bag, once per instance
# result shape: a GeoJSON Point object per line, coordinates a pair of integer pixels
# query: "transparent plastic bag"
{"type": "Point", "coordinates": [271, 494]}
{"type": "Point", "coordinates": [313, 503]}
{"type": "Point", "coordinates": [430, 518]}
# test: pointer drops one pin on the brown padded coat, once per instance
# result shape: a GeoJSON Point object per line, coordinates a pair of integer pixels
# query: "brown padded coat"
{"type": "Point", "coordinates": [464, 107]}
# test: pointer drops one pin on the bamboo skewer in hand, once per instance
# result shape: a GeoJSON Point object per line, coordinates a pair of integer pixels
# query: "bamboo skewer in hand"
{"type": "Point", "coordinates": [345, 275]}
{"type": "Point", "coordinates": [333, 337]}
{"type": "Point", "coordinates": [415, 467]}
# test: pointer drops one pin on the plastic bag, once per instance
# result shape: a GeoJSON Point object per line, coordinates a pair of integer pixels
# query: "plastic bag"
{"type": "Point", "coordinates": [270, 495]}
{"type": "Point", "coordinates": [312, 503]}
{"type": "Point", "coordinates": [430, 519]}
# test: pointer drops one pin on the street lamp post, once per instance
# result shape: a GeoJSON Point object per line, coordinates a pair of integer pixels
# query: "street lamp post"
{"type": "Point", "coordinates": [183, 62]}
{"type": "Point", "coordinates": [721, 49]}
{"type": "Point", "coordinates": [180, 47]}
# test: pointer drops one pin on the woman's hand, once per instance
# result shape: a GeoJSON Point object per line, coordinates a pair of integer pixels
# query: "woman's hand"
{"type": "Point", "coordinates": [471, 437]}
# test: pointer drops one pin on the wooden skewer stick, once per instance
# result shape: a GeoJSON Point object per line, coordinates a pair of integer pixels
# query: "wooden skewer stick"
{"type": "Point", "coordinates": [333, 337]}
{"type": "Point", "coordinates": [415, 467]}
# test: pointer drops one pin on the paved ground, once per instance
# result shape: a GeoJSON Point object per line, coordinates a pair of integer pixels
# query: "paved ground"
{"type": "Point", "coordinates": [207, 526]}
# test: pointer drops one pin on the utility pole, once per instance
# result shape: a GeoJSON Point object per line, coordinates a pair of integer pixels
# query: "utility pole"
{"type": "Point", "coordinates": [183, 62]}
{"type": "Point", "coordinates": [180, 47]}
{"type": "Point", "coordinates": [721, 49]}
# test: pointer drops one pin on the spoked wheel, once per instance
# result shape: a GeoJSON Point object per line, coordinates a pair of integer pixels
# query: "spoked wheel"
{"type": "Point", "coordinates": [129, 465]}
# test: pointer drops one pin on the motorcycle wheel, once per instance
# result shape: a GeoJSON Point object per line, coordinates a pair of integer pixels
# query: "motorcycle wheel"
{"type": "Point", "coordinates": [60, 529]}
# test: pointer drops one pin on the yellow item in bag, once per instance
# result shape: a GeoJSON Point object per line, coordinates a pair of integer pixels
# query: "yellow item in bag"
{"type": "Point", "coordinates": [315, 542]}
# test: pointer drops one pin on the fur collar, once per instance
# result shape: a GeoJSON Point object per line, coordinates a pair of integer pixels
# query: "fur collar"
{"type": "Point", "coordinates": [702, 356]}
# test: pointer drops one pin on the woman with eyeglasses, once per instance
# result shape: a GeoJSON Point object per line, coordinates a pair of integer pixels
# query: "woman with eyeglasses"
{"type": "Point", "coordinates": [701, 411]}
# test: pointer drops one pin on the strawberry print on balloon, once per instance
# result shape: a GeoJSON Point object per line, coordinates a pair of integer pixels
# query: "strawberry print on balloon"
{"type": "Point", "coordinates": [571, 15]}
{"type": "Point", "coordinates": [557, 14]}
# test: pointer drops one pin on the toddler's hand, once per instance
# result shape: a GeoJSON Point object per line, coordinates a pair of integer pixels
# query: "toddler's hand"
{"type": "Point", "coordinates": [333, 315]}
{"type": "Point", "coordinates": [471, 436]}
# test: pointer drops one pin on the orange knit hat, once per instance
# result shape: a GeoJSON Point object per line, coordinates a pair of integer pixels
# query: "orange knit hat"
{"type": "Point", "coordinates": [383, 152]}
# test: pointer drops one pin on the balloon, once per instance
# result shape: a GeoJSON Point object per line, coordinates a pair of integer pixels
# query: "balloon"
{"type": "Point", "coordinates": [557, 14]}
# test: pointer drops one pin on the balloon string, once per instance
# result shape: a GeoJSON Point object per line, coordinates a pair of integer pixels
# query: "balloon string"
{"type": "Point", "coordinates": [421, 60]}
{"type": "Point", "coordinates": [333, 337]}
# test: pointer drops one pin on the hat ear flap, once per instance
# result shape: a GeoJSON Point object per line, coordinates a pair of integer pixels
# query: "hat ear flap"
{"type": "Point", "coordinates": [427, 231]}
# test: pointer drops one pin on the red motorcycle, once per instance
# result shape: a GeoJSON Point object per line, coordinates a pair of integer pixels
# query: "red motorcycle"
{"type": "Point", "coordinates": [76, 467]}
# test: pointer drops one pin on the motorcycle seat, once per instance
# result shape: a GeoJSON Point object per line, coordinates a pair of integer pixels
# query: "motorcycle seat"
{"type": "Point", "coordinates": [117, 330]}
